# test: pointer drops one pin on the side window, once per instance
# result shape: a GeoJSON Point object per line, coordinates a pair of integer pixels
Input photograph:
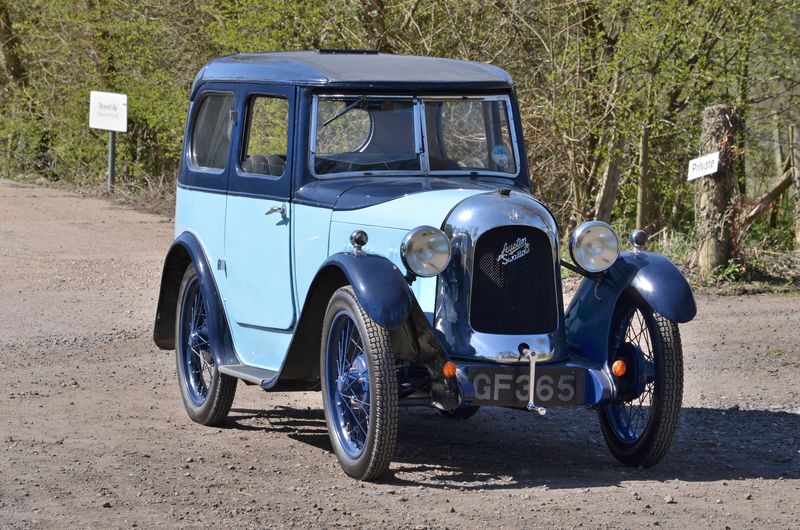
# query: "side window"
{"type": "Point", "coordinates": [267, 136]}
{"type": "Point", "coordinates": [211, 134]}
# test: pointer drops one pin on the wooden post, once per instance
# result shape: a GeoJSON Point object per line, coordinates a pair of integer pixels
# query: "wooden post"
{"type": "Point", "coordinates": [721, 126]}
{"type": "Point", "coordinates": [777, 157]}
{"type": "Point", "coordinates": [794, 146]}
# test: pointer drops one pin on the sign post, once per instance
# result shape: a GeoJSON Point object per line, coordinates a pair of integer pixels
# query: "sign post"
{"type": "Point", "coordinates": [109, 111]}
{"type": "Point", "coordinates": [112, 155]}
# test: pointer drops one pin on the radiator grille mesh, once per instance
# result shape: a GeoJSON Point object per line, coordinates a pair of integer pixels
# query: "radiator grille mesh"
{"type": "Point", "coordinates": [513, 284]}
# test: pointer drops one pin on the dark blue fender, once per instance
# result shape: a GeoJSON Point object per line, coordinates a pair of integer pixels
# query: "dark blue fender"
{"type": "Point", "coordinates": [381, 290]}
{"type": "Point", "coordinates": [379, 285]}
{"type": "Point", "coordinates": [657, 280]}
{"type": "Point", "coordinates": [186, 249]}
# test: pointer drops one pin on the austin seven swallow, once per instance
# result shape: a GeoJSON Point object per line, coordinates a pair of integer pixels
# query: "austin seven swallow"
{"type": "Point", "coordinates": [362, 224]}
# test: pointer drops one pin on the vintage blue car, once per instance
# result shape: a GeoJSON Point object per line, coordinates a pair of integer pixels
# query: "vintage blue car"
{"type": "Point", "coordinates": [362, 223]}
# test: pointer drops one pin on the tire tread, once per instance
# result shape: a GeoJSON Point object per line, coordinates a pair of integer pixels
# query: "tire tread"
{"type": "Point", "coordinates": [386, 419]}
{"type": "Point", "coordinates": [673, 390]}
{"type": "Point", "coordinates": [224, 392]}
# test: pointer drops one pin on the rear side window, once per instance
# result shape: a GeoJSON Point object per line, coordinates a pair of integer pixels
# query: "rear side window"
{"type": "Point", "coordinates": [211, 134]}
{"type": "Point", "coordinates": [267, 136]}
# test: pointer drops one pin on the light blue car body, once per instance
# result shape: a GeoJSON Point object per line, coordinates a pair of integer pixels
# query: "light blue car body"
{"type": "Point", "coordinates": [270, 263]}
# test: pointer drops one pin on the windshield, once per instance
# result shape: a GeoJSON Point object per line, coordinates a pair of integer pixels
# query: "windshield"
{"type": "Point", "coordinates": [368, 134]}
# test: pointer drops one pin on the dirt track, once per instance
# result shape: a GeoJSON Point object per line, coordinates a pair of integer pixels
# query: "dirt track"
{"type": "Point", "coordinates": [94, 433]}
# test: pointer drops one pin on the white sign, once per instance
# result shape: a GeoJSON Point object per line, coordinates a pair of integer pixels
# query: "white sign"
{"type": "Point", "coordinates": [108, 111]}
{"type": "Point", "coordinates": [705, 165]}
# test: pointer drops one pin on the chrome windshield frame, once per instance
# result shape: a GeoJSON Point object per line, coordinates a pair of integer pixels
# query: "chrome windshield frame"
{"type": "Point", "coordinates": [420, 138]}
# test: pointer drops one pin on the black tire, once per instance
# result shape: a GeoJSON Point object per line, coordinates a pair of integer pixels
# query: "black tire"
{"type": "Point", "coordinates": [462, 413]}
{"type": "Point", "coordinates": [363, 453]}
{"type": "Point", "coordinates": [207, 394]}
{"type": "Point", "coordinates": [652, 413]}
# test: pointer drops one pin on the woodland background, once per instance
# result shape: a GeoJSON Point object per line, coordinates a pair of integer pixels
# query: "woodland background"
{"type": "Point", "coordinates": [611, 93]}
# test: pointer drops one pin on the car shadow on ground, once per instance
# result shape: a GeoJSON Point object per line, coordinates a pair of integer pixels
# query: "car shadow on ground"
{"type": "Point", "coordinates": [502, 449]}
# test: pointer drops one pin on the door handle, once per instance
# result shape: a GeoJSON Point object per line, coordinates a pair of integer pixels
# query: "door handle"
{"type": "Point", "coordinates": [277, 209]}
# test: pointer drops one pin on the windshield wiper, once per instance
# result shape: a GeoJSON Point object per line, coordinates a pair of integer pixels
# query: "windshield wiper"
{"type": "Point", "coordinates": [345, 110]}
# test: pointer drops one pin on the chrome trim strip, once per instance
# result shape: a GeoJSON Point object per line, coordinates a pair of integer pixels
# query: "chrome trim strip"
{"type": "Point", "coordinates": [422, 125]}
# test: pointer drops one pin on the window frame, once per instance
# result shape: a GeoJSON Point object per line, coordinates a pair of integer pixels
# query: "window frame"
{"type": "Point", "coordinates": [312, 142]}
{"type": "Point", "coordinates": [255, 185]}
{"type": "Point", "coordinates": [190, 155]}
{"type": "Point", "coordinates": [245, 139]}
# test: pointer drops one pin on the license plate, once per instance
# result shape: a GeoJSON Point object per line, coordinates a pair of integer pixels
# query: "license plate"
{"type": "Point", "coordinates": [508, 386]}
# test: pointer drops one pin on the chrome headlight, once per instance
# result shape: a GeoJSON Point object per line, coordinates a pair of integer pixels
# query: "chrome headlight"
{"type": "Point", "coordinates": [594, 246]}
{"type": "Point", "coordinates": [425, 251]}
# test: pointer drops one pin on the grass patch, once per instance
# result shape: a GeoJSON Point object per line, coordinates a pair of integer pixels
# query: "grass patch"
{"type": "Point", "coordinates": [783, 357]}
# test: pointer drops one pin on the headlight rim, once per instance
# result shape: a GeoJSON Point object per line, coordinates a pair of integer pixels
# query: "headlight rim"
{"type": "Point", "coordinates": [579, 232]}
{"type": "Point", "coordinates": [404, 246]}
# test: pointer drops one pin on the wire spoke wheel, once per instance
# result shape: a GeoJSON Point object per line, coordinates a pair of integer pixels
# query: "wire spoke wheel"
{"type": "Point", "coordinates": [359, 387]}
{"type": "Point", "coordinates": [347, 368]}
{"type": "Point", "coordinates": [198, 361]}
{"type": "Point", "coordinates": [640, 423]}
{"type": "Point", "coordinates": [207, 394]}
{"type": "Point", "coordinates": [630, 418]}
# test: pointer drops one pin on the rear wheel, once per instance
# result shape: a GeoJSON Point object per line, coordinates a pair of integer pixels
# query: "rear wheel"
{"type": "Point", "coordinates": [207, 394]}
{"type": "Point", "coordinates": [359, 387]}
{"type": "Point", "coordinates": [640, 424]}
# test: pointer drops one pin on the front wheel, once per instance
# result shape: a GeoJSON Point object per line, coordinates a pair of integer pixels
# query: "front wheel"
{"type": "Point", "coordinates": [640, 424]}
{"type": "Point", "coordinates": [359, 387]}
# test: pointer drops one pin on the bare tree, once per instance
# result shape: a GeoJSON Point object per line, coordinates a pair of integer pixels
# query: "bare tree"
{"type": "Point", "coordinates": [610, 184]}
{"type": "Point", "coordinates": [374, 17]}
{"type": "Point", "coordinates": [12, 53]}
{"type": "Point", "coordinates": [794, 139]}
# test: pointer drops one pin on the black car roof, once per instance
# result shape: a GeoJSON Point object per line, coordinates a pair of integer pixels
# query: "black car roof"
{"type": "Point", "coordinates": [354, 69]}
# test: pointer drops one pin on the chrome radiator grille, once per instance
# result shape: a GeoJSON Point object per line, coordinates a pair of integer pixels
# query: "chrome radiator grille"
{"type": "Point", "coordinates": [513, 283]}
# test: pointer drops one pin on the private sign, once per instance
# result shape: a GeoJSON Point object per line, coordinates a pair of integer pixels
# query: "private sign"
{"type": "Point", "coordinates": [108, 111]}
{"type": "Point", "coordinates": [705, 165]}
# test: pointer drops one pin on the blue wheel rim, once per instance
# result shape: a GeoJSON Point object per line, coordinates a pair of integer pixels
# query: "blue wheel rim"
{"type": "Point", "coordinates": [629, 419]}
{"type": "Point", "coordinates": [348, 389]}
{"type": "Point", "coordinates": [197, 362]}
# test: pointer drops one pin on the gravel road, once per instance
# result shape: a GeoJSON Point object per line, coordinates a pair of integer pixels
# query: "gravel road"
{"type": "Point", "coordinates": [94, 434]}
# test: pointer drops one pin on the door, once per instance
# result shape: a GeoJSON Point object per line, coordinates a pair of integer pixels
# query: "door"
{"type": "Point", "coordinates": [257, 225]}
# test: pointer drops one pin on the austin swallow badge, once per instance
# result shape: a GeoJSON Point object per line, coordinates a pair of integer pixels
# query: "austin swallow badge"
{"type": "Point", "coordinates": [514, 251]}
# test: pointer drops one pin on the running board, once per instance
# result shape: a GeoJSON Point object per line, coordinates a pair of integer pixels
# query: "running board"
{"type": "Point", "coordinates": [250, 374]}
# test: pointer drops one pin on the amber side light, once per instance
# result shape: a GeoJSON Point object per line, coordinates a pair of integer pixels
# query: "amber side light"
{"type": "Point", "coordinates": [449, 369]}
{"type": "Point", "coordinates": [619, 368]}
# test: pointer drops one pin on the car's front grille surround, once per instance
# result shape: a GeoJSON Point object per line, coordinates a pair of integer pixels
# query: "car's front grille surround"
{"type": "Point", "coordinates": [513, 282]}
